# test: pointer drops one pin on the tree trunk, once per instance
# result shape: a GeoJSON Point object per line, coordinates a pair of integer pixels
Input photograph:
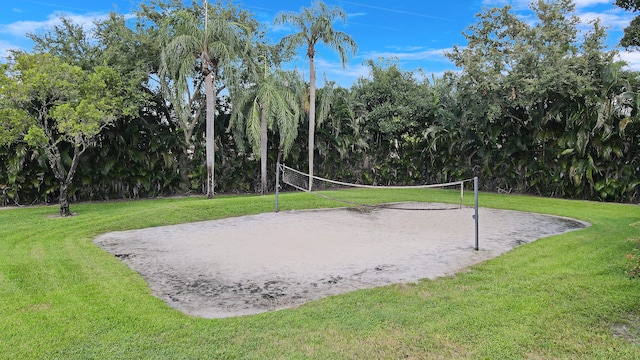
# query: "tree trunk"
{"type": "Point", "coordinates": [210, 136]}
{"type": "Point", "coordinates": [64, 199]}
{"type": "Point", "coordinates": [65, 177]}
{"type": "Point", "coordinates": [263, 151]}
{"type": "Point", "coordinates": [66, 181]}
{"type": "Point", "coordinates": [312, 116]}
{"type": "Point", "coordinates": [183, 164]}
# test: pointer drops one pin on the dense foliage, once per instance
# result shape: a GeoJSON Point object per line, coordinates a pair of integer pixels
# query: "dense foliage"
{"type": "Point", "coordinates": [631, 38]}
{"type": "Point", "coordinates": [538, 107]}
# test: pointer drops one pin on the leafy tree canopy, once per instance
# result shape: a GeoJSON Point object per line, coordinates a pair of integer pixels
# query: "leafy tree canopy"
{"type": "Point", "coordinates": [51, 104]}
{"type": "Point", "coordinates": [631, 37]}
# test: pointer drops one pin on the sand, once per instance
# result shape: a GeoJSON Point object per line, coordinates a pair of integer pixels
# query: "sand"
{"type": "Point", "coordinates": [252, 264]}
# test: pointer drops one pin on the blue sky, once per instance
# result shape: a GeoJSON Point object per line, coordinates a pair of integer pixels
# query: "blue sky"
{"type": "Point", "coordinates": [414, 32]}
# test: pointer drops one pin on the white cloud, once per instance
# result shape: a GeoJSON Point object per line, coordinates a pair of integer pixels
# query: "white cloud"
{"type": "Point", "coordinates": [615, 20]}
{"type": "Point", "coordinates": [518, 4]}
{"type": "Point", "coordinates": [279, 28]}
{"type": "Point", "coordinates": [632, 58]}
{"type": "Point", "coordinates": [20, 29]}
{"type": "Point", "coordinates": [406, 48]}
{"type": "Point", "coordinates": [334, 70]}
{"type": "Point", "coordinates": [398, 11]}
{"type": "Point", "coordinates": [588, 3]}
{"type": "Point", "coordinates": [523, 4]}
{"type": "Point", "coordinates": [408, 55]}
{"type": "Point", "coordinates": [352, 15]}
{"type": "Point", "coordinates": [5, 46]}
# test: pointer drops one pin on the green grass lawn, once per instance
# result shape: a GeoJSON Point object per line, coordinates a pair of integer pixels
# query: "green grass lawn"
{"type": "Point", "coordinates": [565, 296]}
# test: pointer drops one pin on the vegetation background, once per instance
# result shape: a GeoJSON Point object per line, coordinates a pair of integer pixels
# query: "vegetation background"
{"type": "Point", "coordinates": [538, 108]}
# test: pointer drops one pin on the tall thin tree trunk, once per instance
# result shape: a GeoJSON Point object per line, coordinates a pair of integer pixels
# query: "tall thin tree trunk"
{"type": "Point", "coordinates": [263, 151]}
{"type": "Point", "coordinates": [210, 136]}
{"type": "Point", "coordinates": [312, 116]}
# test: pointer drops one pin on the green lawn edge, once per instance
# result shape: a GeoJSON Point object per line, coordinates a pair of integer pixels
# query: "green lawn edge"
{"type": "Point", "coordinates": [566, 296]}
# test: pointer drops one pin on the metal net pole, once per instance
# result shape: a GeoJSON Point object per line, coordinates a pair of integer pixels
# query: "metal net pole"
{"type": "Point", "coordinates": [277, 182]}
{"type": "Point", "coordinates": [475, 216]}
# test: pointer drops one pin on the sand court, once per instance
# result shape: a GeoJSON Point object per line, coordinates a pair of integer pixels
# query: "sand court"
{"type": "Point", "coordinates": [251, 264]}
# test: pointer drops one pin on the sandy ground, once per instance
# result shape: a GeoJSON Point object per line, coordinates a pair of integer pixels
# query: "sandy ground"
{"type": "Point", "coordinates": [251, 264]}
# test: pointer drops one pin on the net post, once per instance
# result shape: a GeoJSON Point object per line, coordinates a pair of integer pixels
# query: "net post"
{"type": "Point", "coordinates": [277, 182]}
{"type": "Point", "coordinates": [475, 216]}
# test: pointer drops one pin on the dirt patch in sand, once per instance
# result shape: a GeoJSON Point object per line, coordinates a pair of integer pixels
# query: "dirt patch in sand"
{"type": "Point", "coordinates": [251, 264]}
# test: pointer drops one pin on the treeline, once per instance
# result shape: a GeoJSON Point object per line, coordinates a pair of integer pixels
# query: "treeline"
{"type": "Point", "coordinates": [536, 108]}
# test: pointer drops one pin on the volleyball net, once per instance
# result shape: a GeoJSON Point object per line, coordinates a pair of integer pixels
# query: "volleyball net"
{"type": "Point", "coordinates": [445, 196]}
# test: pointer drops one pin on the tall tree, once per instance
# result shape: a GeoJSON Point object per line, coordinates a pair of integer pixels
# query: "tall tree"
{"type": "Point", "coordinates": [315, 25]}
{"type": "Point", "coordinates": [545, 102]}
{"type": "Point", "coordinates": [179, 107]}
{"type": "Point", "coordinates": [69, 42]}
{"type": "Point", "coordinates": [114, 44]}
{"type": "Point", "coordinates": [268, 105]}
{"type": "Point", "coordinates": [631, 38]}
{"type": "Point", "coordinates": [396, 107]}
{"type": "Point", "coordinates": [265, 100]}
{"type": "Point", "coordinates": [211, 39]}
{"type": "Point", "coordinates": [62, 109]}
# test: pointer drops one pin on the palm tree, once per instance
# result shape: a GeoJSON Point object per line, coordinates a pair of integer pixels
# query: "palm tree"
{"type": "Point", "coordinates": [269, 103]}
{"type": "Point", "coordinates": [315, 24]}
{"type": "Point", "coordinates": [212, 46]}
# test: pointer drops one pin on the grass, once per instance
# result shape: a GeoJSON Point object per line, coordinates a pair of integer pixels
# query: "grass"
{"type": "Point", "coordinates": [565, 296]}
